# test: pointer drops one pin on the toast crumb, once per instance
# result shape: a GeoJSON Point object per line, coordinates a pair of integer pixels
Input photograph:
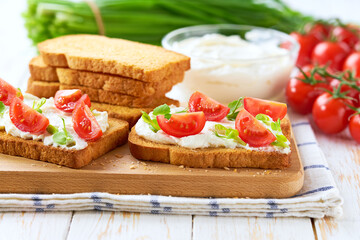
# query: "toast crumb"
{"type": "Point", "coordinates": [133, 167]}
{"type": "Point", "coordinates": [181, 166]}
{"type": "Point", "coordinates": [206, 170]}
{"type": "Point", "coordinates": [119, 155]}
{"type": "Point", "coordinates": [235, 170]}
{"type": "Point", "coordinates": [227, 169]}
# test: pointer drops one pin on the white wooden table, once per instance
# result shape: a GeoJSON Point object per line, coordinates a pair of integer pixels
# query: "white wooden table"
{"type": "Point", "coordinates": [342, 153]}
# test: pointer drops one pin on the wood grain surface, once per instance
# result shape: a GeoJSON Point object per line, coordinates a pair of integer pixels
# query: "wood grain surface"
{"type": "Point", "coordinates": [118, 172]}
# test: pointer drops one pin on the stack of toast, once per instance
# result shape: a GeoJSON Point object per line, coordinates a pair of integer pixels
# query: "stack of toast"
{"type": "Point", "coordinates": [120, 76]}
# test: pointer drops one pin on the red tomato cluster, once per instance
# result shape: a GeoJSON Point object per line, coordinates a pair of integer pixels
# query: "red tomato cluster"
{"type": "Point", "coordinates": [330, 91]}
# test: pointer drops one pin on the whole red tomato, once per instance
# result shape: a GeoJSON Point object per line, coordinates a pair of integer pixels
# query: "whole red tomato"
{"type": "Point", "coordinates": [354, 127]}
{"type": "Point", "coordinates": [352, 63]}
{"type": "Point", "coordinates": [332, 53]}
{"type": "Point", "coordinates": [319, 30]}
{"type": "Point", "coordinates": [307, 43]}
{"type": "Point", "coordinates": [301, 95]}
{"type": "Point", "coordinates": [331, 114]}
{"type": "Point", "coordinates": [346, 34]}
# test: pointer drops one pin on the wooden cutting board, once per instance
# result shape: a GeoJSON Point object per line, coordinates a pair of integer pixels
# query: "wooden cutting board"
{"type": "Point", "coordinates": [118, 172]}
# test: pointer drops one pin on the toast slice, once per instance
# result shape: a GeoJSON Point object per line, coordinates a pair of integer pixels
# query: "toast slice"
{"type": "Point", "coordinates": [222, 157]}
{"type": "Point", "coordinates": [41, 89]}
{"type": "Point", "coordinates": [99, 95]}
{"type": "Point", "coordinates": [96, 53]}
{"type": "Point", "coordinates": [42, 72]}
{"type": "Point", "coordinates": [119, 84]}
{"type": "Point", "coordinates": [131, 115]}
{"type": "Point", "coordinates": [116, 135]}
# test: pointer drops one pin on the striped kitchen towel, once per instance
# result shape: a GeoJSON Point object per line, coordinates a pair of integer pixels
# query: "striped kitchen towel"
{"type": "Point", "coordinates": [319, 196]}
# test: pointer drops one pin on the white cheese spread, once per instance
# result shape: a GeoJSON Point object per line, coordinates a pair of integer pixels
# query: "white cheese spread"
{"type": "Point", "coordinates": [205, 139]}
{"type": "Point", "coordinates": [224, 67]}
{"type": "Point", "coordinates": [54, 115]}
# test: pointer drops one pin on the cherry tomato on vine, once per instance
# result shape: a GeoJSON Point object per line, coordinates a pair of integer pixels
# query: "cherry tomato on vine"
{"type": "Point", "coordinates": [346, 34]}
{"type": "Point", "coordinates": [307, 43]}
{"type": "Point", "coordinates": [300, 95]}
{"type": "Point", "coordinates": [331, 114]}
{"type": "Point", "coordinates": [332, 53]}
{"type": "Point", "coordinates": [354, 127]}
{"type": "Point", "coordinates": [352, 63]}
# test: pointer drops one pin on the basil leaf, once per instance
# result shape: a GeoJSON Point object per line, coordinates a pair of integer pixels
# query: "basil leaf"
{"type": "Point", "coordinates": [167, 116]}
{"type": "Point", "coordinates": [234, 106]}
{"type": "Point", "coordinates": [38, 104]}
{"type": "Point", "coordinates": [63, 137]}
{"type": "Point", "coordinates": [281, 140]}
{"type": "Point", "coordinates": [153, 124]}
{"type": "Point", "coordinates": [52, 129]}
{"type": "Point", "coordinates": [228, 133]}
{"type": "Point", "coordinates": [60, 138]}
{"type": "Point", "coordinates": [183, 111]}
{"type": "Point", "coordinates": [161, 110]}
{"type": "Point", "coordinates": [2, 108]}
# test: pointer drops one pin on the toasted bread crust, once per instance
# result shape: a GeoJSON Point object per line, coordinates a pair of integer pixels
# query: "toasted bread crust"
{"type": "Point", "coordinates": [42, 72]}
{"type": "Point", "coordinates": [144, 149]}
{"type": "Point", "coordinates": [115, 136]}
{"type": "Point", "coordinates": [41, 88]}
{"type": "Point", "coordinates": [115, 56]}
{"type": "Point", "coordinates": [118, 84]}
{"type": "Point", "coordinates": [99, 95]}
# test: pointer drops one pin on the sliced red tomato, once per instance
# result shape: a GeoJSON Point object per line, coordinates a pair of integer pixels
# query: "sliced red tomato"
{"type": "Point", "coordinates": [213, 110]}
{"type": "Point", "coordinates": [85, 124]}
{"type": "Point", "coordinates": [275, 110]}
{"type": "Point", "coordinates": [332, 53]}
{"type": "Point", "coordinates": [182, 124]}
{"type": "Point", "coordinates": [252, 131]}
{"type": "Point", "coordinates": [65, 100]}
{"type": "Point", "coordinates": [8, 93]}
{"type": "Point", "coordinates": [27, 119]}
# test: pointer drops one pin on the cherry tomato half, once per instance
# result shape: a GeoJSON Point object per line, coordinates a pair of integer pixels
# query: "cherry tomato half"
{"type": "Point", "coordinates": [8, 93]}
{"type": "Point", "coordinates": [27, 119]}
{"type": "Point", "coordinates": [252, 131]}
{"type": "Point", "coordinates": [65, 100]}
{"type": "Point", "coordinates": [85, 124]}
{"type": "Point", "coordinates": [182, 124]}
{"type": "Point", "coordinates": [213, 110]}
{"type": "Point", "coordinates": [330, 114]}
{"type": "Point", "coordinates": [275, 110]}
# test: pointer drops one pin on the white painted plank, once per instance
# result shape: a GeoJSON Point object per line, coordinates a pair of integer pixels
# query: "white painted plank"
{"type": "Point", "coordinates": [251, 228]}
{"type": "Point", "coordinates": [30, 225]}
{"type": "Point", "coordinates": [343, 156]}
{"type": "Point", "coordinates": [122, 225]}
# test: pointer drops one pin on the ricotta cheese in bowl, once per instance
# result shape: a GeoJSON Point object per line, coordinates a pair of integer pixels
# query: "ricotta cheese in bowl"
{"type": "Point", "coordinates": [225, 65]}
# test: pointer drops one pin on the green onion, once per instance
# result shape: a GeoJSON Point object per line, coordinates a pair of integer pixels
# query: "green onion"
{"type": "Point", "coordinates": [149, 20]}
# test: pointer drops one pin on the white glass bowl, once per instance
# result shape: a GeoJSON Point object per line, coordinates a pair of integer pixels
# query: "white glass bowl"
{"type": "Point", "coordinates": [226, 77]}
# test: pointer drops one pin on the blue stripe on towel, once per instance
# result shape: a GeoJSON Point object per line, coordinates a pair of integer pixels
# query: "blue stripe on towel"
{"type": "Point", "coordinates": [306, 143]}
{"type": "Point", "coordinates": [269, 215]}
{"type": "Point", "coordinates": [95, 198]}
{"type": "Point", "coordinates": [272, 204]}
{"type": "Point", "coordinates": [300, 124]}
{"type": "Point", "coordinates": [226, 210]}
{"type": "Point", "coordinates": [316, 166]}
{"type": "Point", "coordinates": [37, 200]}
{"type": "Point", "coordinates": [167, 209]}
{"type": "Point", "coordinates": [322, 189]}
{"type": "Point", "coordinates": [212, 213]}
